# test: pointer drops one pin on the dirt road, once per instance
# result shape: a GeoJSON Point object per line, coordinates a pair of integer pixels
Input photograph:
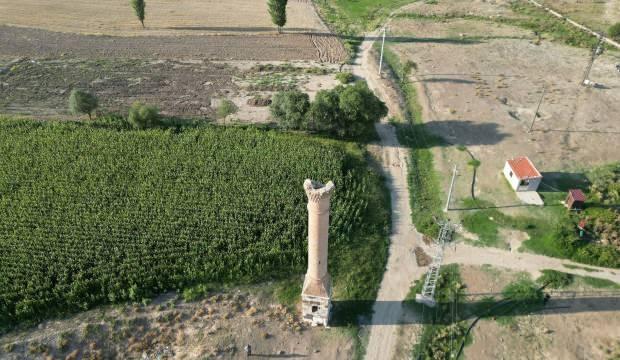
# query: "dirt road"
{"type": "Point", "coordinates": [531, 263]}
{"type": "Point", "coordinates": [401, 267]}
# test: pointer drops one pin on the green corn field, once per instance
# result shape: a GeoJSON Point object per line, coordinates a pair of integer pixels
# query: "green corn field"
{"type": "Point", "coordinates": [92, 215]}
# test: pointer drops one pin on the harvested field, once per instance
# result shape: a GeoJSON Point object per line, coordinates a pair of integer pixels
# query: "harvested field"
{"type": "Point", "coordinates": [163, 17]}
{"type": "Point", "coordinates": [178, 88]}
{"type": "Point", "coordinates": [481, 91]}
{"type": "Point", "coordinates": [34, 43]}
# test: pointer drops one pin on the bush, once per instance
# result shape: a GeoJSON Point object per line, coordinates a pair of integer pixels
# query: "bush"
{"type": "Point", "coordinates": [226, 108]}
{"type": "Point", "coordinates": [345, 77]}
{"type": "Point", "coordinates": [606, 183]}
{"type": "Point", "coordinates": [195, 292]}
{"type": "Point", "coordinates": [555, 279]}
{"type": "Point", "coordinates": [289, 109]}
{"type": "Point", "coordinates": [524, 293]}
{"type": "Point", "coordinates": [143, 116]}
{"type": "Point", "coordinates": [614, 31]}
{"type": "Point", "coordinates": [82, 102]}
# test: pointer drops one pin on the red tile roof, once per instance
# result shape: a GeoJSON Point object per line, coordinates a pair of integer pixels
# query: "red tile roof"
{"type": "Point", "coordinates": [523, 168]}
{"type": "Point", "coordinates": [577, 195]}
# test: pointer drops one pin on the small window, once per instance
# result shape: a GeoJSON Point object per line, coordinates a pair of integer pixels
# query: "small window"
{"type": "Point", "coordinates": [315, 308]}
{"type": "Point", "coordinates": [525, 182]}
{"type": "Point", "coordinates": [511, 174]}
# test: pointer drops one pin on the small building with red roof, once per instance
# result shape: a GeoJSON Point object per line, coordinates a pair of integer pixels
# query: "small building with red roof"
{"type": "Point", "coordinates": [575, 200]}
{"type": "Point", "coordinates": [522, 174]}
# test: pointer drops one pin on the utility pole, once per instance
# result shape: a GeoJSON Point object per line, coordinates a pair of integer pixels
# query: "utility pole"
{"type": "Point", "coordinates": [381, 58]}
{"type": "Point", "coordinates": [450, 191]}
{"type": "Point", "coordinates": [538, 107]}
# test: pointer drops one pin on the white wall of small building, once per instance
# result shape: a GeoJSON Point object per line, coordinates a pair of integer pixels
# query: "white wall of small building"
{"type": "Point", "coordinates": [512, 179]}
{"type": "Point", "coordinates": [515, 182]}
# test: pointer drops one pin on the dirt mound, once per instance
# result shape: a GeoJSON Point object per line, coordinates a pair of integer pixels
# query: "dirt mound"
{"type": "Point", "coordinates": [259, 101]}
{"type": "Point", "coordinates": [421, 257]}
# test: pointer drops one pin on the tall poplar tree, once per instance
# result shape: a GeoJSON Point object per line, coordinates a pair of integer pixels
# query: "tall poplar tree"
{"type": "Point", "coordinates": [277, 10]}
{"type": "Point", "coordinates": [138, 6]}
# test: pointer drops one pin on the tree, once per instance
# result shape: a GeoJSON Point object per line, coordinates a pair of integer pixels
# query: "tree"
{"type": "Point", "coordinates": [289, 109]}
{"type": "Point", "coordinates": [82, 102]}
{"type": "Point", "coordinates": [324, 113]}
{"type": "Point", "coordinates": [138, 7]}
{"type": "Point", "coordinates": [360, 108]}
{"type": "Point", "coordinates": [277, 11]}
{"type": "Point", "coordinates": [143, 116]}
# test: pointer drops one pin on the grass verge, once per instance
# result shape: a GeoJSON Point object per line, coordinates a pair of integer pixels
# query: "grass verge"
{"type": "Point", "coordinates": [422, 178]}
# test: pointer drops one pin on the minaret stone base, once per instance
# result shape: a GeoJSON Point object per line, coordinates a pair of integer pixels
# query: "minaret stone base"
{"type": "Point", "coordinates": [316, 301]}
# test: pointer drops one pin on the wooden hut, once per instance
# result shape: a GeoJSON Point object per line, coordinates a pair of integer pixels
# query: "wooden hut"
{"type": "Point", "coordinates": [575, 199]}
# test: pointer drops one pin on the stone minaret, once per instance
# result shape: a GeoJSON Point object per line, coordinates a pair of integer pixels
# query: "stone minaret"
{"type": "Point", "coordinates": [317, 291]}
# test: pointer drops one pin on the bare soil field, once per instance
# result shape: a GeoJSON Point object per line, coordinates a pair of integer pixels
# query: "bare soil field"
{"type": "Point", "coordinates": [461, 7]}
{"type": "Point", "coordinates": [481, 89]}
{"type": "Point", "coordinates": [185, 88]}
{"type": "Point", "coordinates": [217, 327]}
{"type": "Point", "coordinates": [163, 17]}
{"type": "Point", "coordinates": [35, 43]}
{"type": "Point", "coordinates": [581, 332]}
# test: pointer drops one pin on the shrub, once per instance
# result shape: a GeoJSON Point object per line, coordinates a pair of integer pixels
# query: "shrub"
{"type": "Point", "coordinates": [614, 31]}
{"type": "Point", "coordinates": [606, 183]}
{"type": "Point", "coordinates": [345, 77]}
{"type": "Point", "coordinates": [555, 279]}
{"type": "Point", "coordinates": [474, 163]}
{"type": "Point", "coordinates": [82, 102]}
{"type": "Point", "coordinates": [226, 108]}
{"type": "Point", "coordinates": [289, 109]}
{"type": "Point", "coordinates": [195, 292]}
{"type": "Point", "coordinates": [143, 116]}
{"type": "Point", "coordinates": [525, 295]}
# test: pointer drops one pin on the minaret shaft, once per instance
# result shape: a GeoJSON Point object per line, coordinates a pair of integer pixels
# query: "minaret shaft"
{"type": "Point", "coordinates": [317, 290]}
